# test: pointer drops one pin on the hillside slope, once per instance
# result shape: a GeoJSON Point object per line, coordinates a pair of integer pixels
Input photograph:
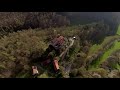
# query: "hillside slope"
{"type": "Point", "coordinates": [19, 49]}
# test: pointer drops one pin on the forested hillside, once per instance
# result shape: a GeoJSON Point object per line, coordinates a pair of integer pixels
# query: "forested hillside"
{"type": "Point", "coordinates": [24, 37]}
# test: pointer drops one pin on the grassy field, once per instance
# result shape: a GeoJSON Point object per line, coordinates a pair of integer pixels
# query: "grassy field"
{"type": "Point", "coordinates": [93, 49]}
{"type": "Point", "coordinates": [108, 52]}
{"type": "Point", "coordinates": [118, 31]}
{"type": "Point", "coordinates": [112, 49]}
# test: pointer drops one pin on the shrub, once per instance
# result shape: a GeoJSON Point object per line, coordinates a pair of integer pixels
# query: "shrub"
{"type": "Point", "coordinates": [17, 21]}
{"type": "Point", "coordinates": [45, 20]}
{"type": "Point", "coordinates": [73, 73]}
{"type": "Point", "coordinates": [20, 48]}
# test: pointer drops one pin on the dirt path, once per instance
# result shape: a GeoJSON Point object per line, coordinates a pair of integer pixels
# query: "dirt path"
{"type": "Point", "coordinates": [67, 67]}
{"type": "Point", "coordinates": [64, 53]}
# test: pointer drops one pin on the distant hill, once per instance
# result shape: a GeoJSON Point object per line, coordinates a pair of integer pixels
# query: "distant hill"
{"type": "Point", "coordinates": [110, 18]}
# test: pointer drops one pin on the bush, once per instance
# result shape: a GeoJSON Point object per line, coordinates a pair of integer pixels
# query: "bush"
{"type": "Point", "coordinates": [94, 32]}
{"type": "Point", "coordinates": [10, 21]}
{"type": "Point", "coordinates": [16, 21]}
{"type": "Point", "coordinates": [20, 48]}
{"type": "Point", "coordinates": [73, 73]}
{"type": "Point", "coordinates": [45, 20]}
